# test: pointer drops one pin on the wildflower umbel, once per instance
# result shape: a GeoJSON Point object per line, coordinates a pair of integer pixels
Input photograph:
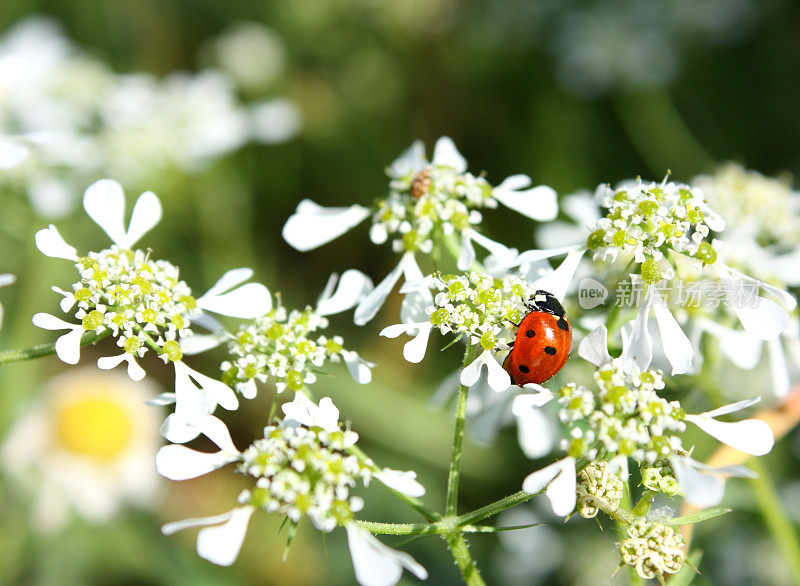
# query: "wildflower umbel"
{"type": "Point", "coordinates": [647, 220]}
{"type": "Point", "coordinates": [626, 417]}
{"type": "Point", "coordinates": [303, 467]}
{"type": "Point", "coordinates": [282, 345]}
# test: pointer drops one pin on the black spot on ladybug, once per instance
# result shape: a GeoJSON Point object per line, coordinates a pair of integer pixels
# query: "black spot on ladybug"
{"type": "Point", "coordinates": [562, 323]}
{"type": "Point", "coordinates": [524, 368]}
{"type": "Point", "coordinates": [530, 333]}
{"type": "Point", "coordinates": [550, 350]}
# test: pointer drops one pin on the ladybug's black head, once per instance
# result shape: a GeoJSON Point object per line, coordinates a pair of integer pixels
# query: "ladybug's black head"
{"type": "Point", "coordinates": [547, 302]}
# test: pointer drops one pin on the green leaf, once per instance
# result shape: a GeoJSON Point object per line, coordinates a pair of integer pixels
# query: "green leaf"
{"type": "Point", "coordinates": [698, 517]}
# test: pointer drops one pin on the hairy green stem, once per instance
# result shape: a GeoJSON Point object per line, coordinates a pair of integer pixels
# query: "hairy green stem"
{"type": "Point", "coordinates": [777, 521]}
{"type": "Point", "coordinates": [41, 350]}
{"type": "Point", "coordinates": [495, 508]}
{"type": "Point", "coordinates": [466, 565]}
{"type": "Point", "coordinates": [451, 504]}
{"type": "Point", "coordinates": [400, 528]}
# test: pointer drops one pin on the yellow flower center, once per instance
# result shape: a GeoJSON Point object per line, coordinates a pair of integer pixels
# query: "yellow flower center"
{"type": "Point", "coordinates": [96, 427]}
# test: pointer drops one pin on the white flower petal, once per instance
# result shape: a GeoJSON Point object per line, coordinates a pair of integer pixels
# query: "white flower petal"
{"type": "Point", "coordinates": [751, 436]}
{"type": "Point", "coordinates": [246, 302]}
{"type": "Point", "coordinates": [178, 462]}
{"type": "Point", "coordinates": [445, 153]}
{"type": "Point", "coordinates": [50, 243]}
{"type": "Point", "coordinates": [7, 279]}
{"type": "Point", "coordinates": [374, 563]}
{"type": "Point", "coordinates": [527, 402]}
{"type": "Point", "coordinates": [594, 346]}
{"type": "Point", "coordinates": [175, 429]}
{"type": "Point", "coordinates": [68, 346]}
{"type": "Point", "coordinates": [199, 343]}
{"type": "Point", "coordinates": [677, 346]}
{"type": "Point", "coordinates": [742, 348]}
{"type": "Point", "coordinates": [537, 203]}
{"type": "Point", "coordinates": [218, 392]}
{"type": "Point", "coordinates": [414, 350]}
{"type": "Point", "coordinates": [732, 407]}
{"type": "Point", "coordinates": [535, 256]}
{"type": "Point", "coordinates": [780, 371]}
{"type": "Point", "coordinates": [766, 320]}
{"type": "Point", "coordinates": [229, 280]}
{"type": "Point", "coordinates": [175, 526]}
{"type": "Point", "coordinates": [558, 281]}
{"type": "Point", "coordinates": [216, 430]}
{"type": "Point", "coordinates": [401, 481]}
{"type": "Point", "coordinates": [498, 378]}
{"type": "Point", "coordinates": [466, 256]}
{"type": "Point", "coordinates": [313, 225]}
{"type": "Point", "coordinates": [535, 433]}
{"type": "Point", "coordinates": [637, 349]}
{"type": "Point", "coordinates": [370, 305]}
{"type": "Point", "coordinates": [161, 400]}
{"type": "Point", "coordinates": [146, 214]}
{"type": "Point", "coordinates": [221, 544]}
{"type": "Point", "coordinates": [700, 490]}
{"type": "Point", "coordinates": [104, 202]}
{"type": "Point", "coordinates": [360, 369]}
{"type": "Point", "coordinates": [411, 160]}
{"type": "Point", "coordinates": [786, 267]}
{"type": "Point", "coordinates": [135, 372]}
{"type": "Point", "coordinates": [562, 490]}
{"type": "Point", "coordinates": [353, 286]}
{"type": "Point", "coordinates": [536, 481]}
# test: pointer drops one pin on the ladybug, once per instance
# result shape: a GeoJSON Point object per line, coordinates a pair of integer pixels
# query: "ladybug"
{"type": "Point", "coordinates": [543, 342]}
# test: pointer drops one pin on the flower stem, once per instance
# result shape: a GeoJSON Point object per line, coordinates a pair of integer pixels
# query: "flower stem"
{"type": "Point", "coordinates": [41, 350]}
{"type": "Point", "coordinates": [451, 504]}
{"type": "Point", "coordinates": [466, 565]}
{"type": "Point", "coordinates": [400, 528]}
{"type": "Point", "coordinates": [495, 508]}
{"type": "Point", "coordinates": [775, 518]}
{"type": "Point", "coordinates": [455, 460]}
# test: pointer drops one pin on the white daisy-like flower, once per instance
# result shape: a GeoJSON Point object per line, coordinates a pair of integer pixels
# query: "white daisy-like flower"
{"type": "Point", "coordinates": [86, 446]}
{"type": "Point", "coordinates": [302, 468]}
{"type": "Point", "coordinates": [427, 201]}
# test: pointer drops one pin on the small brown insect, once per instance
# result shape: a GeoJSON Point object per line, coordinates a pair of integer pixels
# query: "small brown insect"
{"type": "Point", "coordinates": [421, 184]}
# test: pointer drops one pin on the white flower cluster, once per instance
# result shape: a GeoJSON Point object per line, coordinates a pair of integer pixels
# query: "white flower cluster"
{"type": "Point", "coordinates": [481, 307]}
{"type": "Point", "coordinates": [303, 471]}
{"type": "Point", "coordinates": [427, 200]}
{"type": "Point", "coordinates": [765, 207]}
{"type": "Point", "coordinates": [646, 219]}
{"type": "Point", "coordinates": [69, 118]}
{"type": "Point", "coordinates": [654, 549]}
{"type": "Point", "coordinates": [626, 417]}
{"type": "Point", "coordinates": [280, 345]}
{"type": "Point", "coordinates": [141, 301]}
{"type": "Point", "coordinates": [306, 466]}
{"type": "Point", "coordinates": [598, 486]}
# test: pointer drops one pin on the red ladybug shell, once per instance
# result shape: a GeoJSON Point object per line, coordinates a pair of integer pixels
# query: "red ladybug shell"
{"type": "Point", "coordinates": [541, 348]}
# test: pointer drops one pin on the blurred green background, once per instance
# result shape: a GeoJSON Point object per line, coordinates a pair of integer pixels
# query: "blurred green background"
{"type": "Point", "coordinates": [571, 93]}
